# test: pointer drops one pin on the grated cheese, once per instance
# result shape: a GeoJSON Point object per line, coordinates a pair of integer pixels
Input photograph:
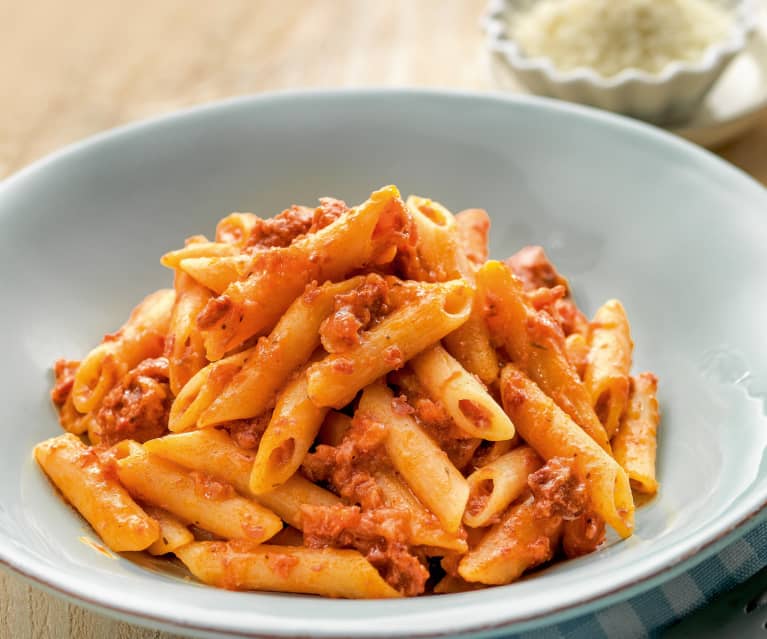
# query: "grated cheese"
{"type": "Point", "coordinates": [611, 35]}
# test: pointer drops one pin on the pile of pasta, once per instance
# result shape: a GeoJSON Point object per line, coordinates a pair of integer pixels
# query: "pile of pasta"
{"type": "Point", "coordinates": [355, 402]}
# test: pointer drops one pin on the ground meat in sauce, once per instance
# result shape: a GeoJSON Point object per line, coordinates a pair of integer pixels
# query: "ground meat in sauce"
{"type": "Point", "coordinates": [246, 433]}
{"type": "Point", "coordinates": [64, 370]}
{"type": "Point", "coordinates": [348, 467]}
{"type": "Point", "coordinates": [583, 535]}
{"type": "Point", "coordinates": [531, 265]}
{"type": "Point", "coordinates": [355, 312]}
{"type": "Point", "coordinates": [282, 229]}
{"type": "Point", "coordinates": [557, 489]}
{"type": "Point", "coordinates": [380, 534]}
{"type": "Point", "coordinates": [138, 406]}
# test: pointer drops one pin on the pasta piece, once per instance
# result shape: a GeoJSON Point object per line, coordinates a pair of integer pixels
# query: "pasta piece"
{"type": "Point", "coordinates": [494, 486]}
{"type": "Point", "coordinates": [606, 376]}
{"type": "Point", "coordinates": [522, 540]}
{"type": "Point", "coordinates": [535, 344]}
{"type": "Point", "coordinates": [470, 344]}
{"type": "Point", "coordinates": [334, 428]}
{"type": "Point", "coordinates": [291, 432]}
{"type": "Point", "coordinates": [100, 499]}
{"type": "Point", "coordinates": [464, 398]}
{"type": "Point", "coordinates": [549, 430]}
{"type": "Point", "coordinates": [421, 463]}
{"type": "Point", "coordinates": [365, 235]}
{"type": "Point", "coordinates": [236, 228]}
{"type": "Point", "coordinates": [436, 257]}
{"type": "Point", "coordinates": [577, 348]}
{"type": "Point", "coordinates": [426, 530]}
{"type": "Point", "coordinates": [184, 345]}
{"type": "Point", "coordinates": [473, 227]}
{"type": "Point", "coordinates": [217, 273]}
{"type": "Point", "coordinates": [193, 498]}
{"type": "Point", "coordinates": [329, 572]}
{"type": "Point", "coordinates": [213, 452]}
{"type": "Point", "coordinates": [436, 311]}
{"type": "Point", "coordinates": [635, 442]}
{"type": "Point", "coordinates": [141, 337]}
{"type": "Point", "coordinates": [450, 584]}
{"type": "Point", "coordinates": [204, 388]}
{"type": "Point", "coordinates": [173, 533]}
{"type": "Point", "coordinates": [252, 390]}
{"type": "Point", "coordinates": [197, 249]}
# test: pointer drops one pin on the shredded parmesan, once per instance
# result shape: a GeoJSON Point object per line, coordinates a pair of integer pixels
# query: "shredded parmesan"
{"type": "Point", "coordinates": [611, 35]}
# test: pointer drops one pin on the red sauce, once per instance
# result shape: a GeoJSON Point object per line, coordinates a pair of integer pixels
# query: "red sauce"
{"type": "Point", "coordinates": [531, 265]}
{"type": "Point", "coordinates": [64, 371]}
{"type": "Point", "coordinates": [583, 535]}
{"type": "Point", "coordinates": [138, 406]}
{"type": "Point", "coordinates": [208, 487]}
{"type": "Point", "coordinates": [557, 489]}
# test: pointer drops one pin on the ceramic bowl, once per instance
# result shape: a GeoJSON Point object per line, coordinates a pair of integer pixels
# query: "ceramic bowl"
{"type": "Point", "coordinates": [624, 210]}
{"type": "Point", "coordinates": [668, 97]}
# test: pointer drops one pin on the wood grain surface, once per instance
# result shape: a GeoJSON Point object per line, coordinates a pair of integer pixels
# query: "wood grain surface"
{"type": "Point", "coordinates": [70, 69]}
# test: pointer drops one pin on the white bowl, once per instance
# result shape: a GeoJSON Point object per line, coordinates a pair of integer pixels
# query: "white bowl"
{"type": "Point", "coordinates": [624, 209]}
{"type": "Point", "coordinates": [668, 97]}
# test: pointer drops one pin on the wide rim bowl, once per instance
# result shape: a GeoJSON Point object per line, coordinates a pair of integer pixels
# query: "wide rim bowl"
{"type": "Point", "coordinates": [474, 612]}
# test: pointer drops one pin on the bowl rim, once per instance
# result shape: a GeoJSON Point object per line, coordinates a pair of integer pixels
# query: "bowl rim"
{"type": "Point", "coordinates": [684, 553]}
{"type": "Point", "coordinates": [499, 40]}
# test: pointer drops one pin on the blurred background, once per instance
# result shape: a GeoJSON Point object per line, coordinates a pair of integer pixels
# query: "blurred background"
{"type": "Point", "coordinates": [71, 69]}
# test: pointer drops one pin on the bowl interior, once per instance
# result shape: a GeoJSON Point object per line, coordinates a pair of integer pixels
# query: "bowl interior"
{"type": "Point", "coordinates": [624, 211]}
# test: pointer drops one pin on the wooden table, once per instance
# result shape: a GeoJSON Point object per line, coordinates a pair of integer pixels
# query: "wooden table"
{"type": "Point", "coordinates": [70, 69]}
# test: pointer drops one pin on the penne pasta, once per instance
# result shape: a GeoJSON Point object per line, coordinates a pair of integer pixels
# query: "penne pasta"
{"type": "Point", "coordinates": [552, 433]}
{"type": "Point", "coordinates": [366, 235]}
{"type": "Point", "coordinates": [216, 272]}
{"type": "Point", "coordinates": [606, 374]}
{"type": "Point", "coordinates": [435, 312]}
{"type": "Point", "coordinates": [236, 228]}
{"type": "Point", "coordinates": [421, 463]}
{"type": "Point", "coordinates": [197, 249]}
{"type": "Point", "coordinates": [327, 571]}
{"type": "Point", "coordinates": [98, 497]}
{"type": "Point", "coordinates": [464, 398]}
{"type": "Point", "coordinates": [634, 445]}
{"type": "Point", "coordinates": [534, 343]}
{"type": "Point", "coordinates": [141, 337]}
{"type": "Point", "coordinates": [577, 349]}
{"type": "Point", "coordinates": [520, 541]}
{"type": "Point", "coordinates": [213, 452]}
{"type": "Point", "coordinates": [194, 499]}
{"type": "Point", "coordinates": [253, 388]}
{"type": "Point", "coordinates": [473, 227]}
{"type": "Point", "coordinates": [173, 532]}
{"type": "Point", "coordinates": [184, 346]}
{"type": "Point", "coordinates": [493, 487]}
{"type": "Point", "coordinates": [291, 432]}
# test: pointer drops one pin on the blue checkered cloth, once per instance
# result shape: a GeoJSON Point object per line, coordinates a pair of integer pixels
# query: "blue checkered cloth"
{"type": "Point", "coordinates": [646, 615]}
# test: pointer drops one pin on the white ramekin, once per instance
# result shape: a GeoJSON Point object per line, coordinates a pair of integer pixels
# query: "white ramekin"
{"type": "Point", "coordinates": [664, 98]}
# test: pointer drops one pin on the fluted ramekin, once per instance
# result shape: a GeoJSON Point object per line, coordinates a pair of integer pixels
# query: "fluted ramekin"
{"type": "Point", "coordinates": [667, 97]}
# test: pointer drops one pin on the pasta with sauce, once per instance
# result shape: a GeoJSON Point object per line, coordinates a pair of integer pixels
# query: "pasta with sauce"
{"type": "Point", "coordinates": [354, 402]}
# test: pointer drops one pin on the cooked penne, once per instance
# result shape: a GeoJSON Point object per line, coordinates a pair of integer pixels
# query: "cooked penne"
{"type": "Point", "coordinates": [635, 442]}
{"type": "Point", "coordinates": [606, 375]}
{"type": "Point", "coordinates": [333, 428]}
{"type": "Point", "coordinates": [436, 311]}
{"type": "Point", "coordinates": [422, 464]}
{"type": "Point", "coordinates": [473, 227]}
{"type": "Point", "coordinates": [197, 249]}
{"type": "Point", "coordinates": [196, 499]}
{"type": "Point", "coordinates": [236, 228]}
{"type": "Point", "coordinates": [464, 398]}
{"type": "Point", "coordinates": [520, 541]}
{"type": "Point", "coordinates": [184, 346]}
{"type": "Point", "coordinates": [437, 256]}
{"type": "Point", "coordinates": [173, 532]}
{"type": "Point", "coordinates": [535, 343]}
{"type": "Point", "coordinates": [216, 273]}
{"type": "Point", "coordinates": [291, 432]}
{"type": "Point", "coordinates": [470, 344]}
{"type": "Point", "coordinates": [366, 235]}
{"type": "Point", "coordinates": [494, 486]}
{"type": "Point", "coordinates": [254, 387]}
{"type": "Point", "coordinates": [141, 337]}
{"type": "Point", "coordinates": [97, 496]}
{"type": "Point", "coordinates": [327, 571]}
{"type": "Point", "coordinates": [577, 349]}
{"type": "Point", "coordinates": [213, 452]}
{"type": "Point", "coordinates": [552, 433]}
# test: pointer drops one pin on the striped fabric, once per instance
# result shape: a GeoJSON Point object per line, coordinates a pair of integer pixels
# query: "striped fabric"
{"type": "Point", "coordinates": [646, 615]}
